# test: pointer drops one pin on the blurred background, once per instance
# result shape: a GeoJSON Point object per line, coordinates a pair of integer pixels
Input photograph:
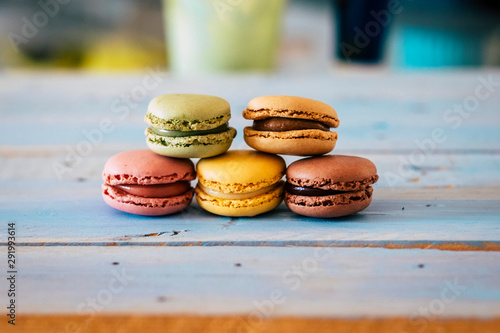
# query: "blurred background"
{"type": "Point", "coordinates": [192, 36]}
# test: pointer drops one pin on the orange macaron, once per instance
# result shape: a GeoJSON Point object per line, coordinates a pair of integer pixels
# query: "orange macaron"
{"type": "Point", "coordinates": [290, 125]}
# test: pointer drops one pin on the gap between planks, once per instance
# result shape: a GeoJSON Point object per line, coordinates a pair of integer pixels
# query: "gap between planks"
{"type": "Point", "coordinates": [392, 245]}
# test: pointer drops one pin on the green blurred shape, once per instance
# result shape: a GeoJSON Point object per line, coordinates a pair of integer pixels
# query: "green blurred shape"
{"type": "Point", "coordinates": [222, 35]}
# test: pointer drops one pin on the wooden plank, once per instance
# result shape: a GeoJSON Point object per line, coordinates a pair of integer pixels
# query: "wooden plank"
{"type": "Point", "coordinates": [437, 193]}
{"type": "Point", "coordinates": [377, 111]}
{"type": "Point", "coordinates": [186, 323]}
{"type": "Point", "coordinates": [396, 170]}
{"type": "Point", "coordinates": [275, 282]}
{"type": "Point", "coordinates": [76, 213]}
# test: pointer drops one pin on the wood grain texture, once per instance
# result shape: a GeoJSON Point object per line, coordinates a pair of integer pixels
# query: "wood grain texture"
{"type": "Point", "coordinates": [383, 111]}
{"type": "Point", "coordinates": [235, 324]}
{"type": "Point", "coordinates": [395, 169]}
{"type": "Point", "coordinates": [246, 281]}
{"type": "Point", "coordinates": [77, 214]}
{"type": "Point", "coordinates": [433, 221]}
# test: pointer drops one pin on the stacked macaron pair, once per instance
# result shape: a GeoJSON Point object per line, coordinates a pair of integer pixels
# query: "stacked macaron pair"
{"type": "Point", "coordinates": [158, 181]}
{"type": "Point", "coordinates": [322, 186]}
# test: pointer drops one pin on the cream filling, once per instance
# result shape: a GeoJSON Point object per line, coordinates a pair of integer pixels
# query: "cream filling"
{"type": "Point", "coordinates": [175, 134]}
{"type": "Point", "coordinates": [236, 196]}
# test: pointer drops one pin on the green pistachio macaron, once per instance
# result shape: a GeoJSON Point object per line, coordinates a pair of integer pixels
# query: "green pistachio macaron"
{"type": "Point", "coordinates": [189, 125]}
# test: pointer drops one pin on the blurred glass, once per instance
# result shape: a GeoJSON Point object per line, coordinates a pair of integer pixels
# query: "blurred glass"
{"type": "Point", "coordinates": [222, 35]}
{"type": "Point", "coordinates": [226, 35]}
{"type": "Point", "coordinates": [91, 34]}
{"type": "Point", "coordinates": [362, 26]}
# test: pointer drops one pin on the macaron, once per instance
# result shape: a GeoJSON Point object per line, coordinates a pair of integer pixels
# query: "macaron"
{"type": "Point", "coordinates": [188, 125]}
{"type": "Point", "coordinates": [330, 186]}
{"type": "Point", "coordinates": [144, 183]}
{"type": "Point", "coordinates": [240, 183]}
{"type": "Point", "coordinates": [290, 125]}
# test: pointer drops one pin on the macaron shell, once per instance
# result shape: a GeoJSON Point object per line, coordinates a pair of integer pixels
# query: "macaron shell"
{"type": "Point", "coordinates": [300, 143]}
{"type": "Point", "coordinates": [144, 167]}
{"type": "Point", "coordinates": [187, 112]}
{"type": "Point", "coordinates": [330, 206]}
{"type": "Point", "coordinates": [333, 172]}
{"type": "Point", "coordinates": [240, 171]}
{"type": "Point", "coordinates": [145, 206]}
{"type": "Point", "coordinates": [291, 107]}
{"type": "Point", "coordinates": [197, 146]}
{"type": "Point", "coordinates": [247, 207]}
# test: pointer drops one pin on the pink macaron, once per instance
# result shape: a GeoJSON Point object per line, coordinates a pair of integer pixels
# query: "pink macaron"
{"type": "Point", "coordinates": [142, 182]}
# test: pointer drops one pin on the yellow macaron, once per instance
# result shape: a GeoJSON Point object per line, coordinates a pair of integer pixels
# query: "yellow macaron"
{"type": "Point", "coordinates": [240, 183]}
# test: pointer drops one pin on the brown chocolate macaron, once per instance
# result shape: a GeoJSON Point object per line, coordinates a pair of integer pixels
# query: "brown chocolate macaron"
{"type": "Point", "coordinates": [290, 125]}
{"type": "Point", "coordinates": [330, 186]}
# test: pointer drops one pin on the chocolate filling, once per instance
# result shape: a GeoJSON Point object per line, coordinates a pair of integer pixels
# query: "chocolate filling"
{"type": "Point", "coordinates": [309, 191]}
{"type": "Point", "coordinates": [287, 124]}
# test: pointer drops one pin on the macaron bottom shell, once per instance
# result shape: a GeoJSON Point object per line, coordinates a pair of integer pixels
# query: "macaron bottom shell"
{"type": "Point", "coordinates": [145, 206]}
{"type": "Point", "coordinates": [196, 146]}
{"type": "Point", "coordinates": [330, 206]}
{"type": "Point", "coordinates": [298, 142]}
{"type": "Point", "coordinates": [245, 207]}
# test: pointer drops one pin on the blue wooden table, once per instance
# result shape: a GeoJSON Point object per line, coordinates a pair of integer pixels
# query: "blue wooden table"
{"type": "Point", "coordinates": [425, 256]}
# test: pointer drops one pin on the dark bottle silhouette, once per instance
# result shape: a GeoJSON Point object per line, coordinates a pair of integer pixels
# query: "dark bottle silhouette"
{"type": "Point", "coordinates": [361, 31]}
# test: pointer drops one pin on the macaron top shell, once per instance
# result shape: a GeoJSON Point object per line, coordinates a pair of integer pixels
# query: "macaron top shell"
{"type": "Point", "coordinates": [187, 112]}
{"type": "Point", "coordinates": [240, 171]}
{"type": "Point", "coordinates": [291, 107]}
{"type": "Point", "coordinates": [333, 172]}
{"type": "Point", "coordinates": [144, 167]}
